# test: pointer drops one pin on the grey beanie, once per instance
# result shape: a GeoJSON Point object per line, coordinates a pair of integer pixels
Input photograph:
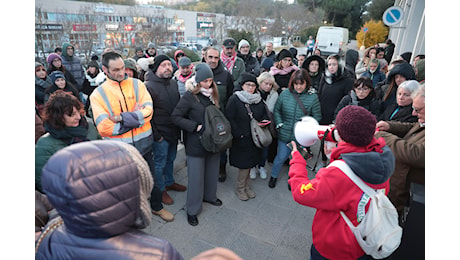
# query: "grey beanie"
{"type": "Point", "coordinates": [202, 72]}
{"type": "Point", "coordinates": [184, 61]}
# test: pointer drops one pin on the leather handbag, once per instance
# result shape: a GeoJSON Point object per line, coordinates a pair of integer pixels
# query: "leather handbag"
{"type": "Point", "coordinates": [261, 135]}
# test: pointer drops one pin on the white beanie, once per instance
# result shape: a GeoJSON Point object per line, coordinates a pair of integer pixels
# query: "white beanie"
{"type": "Point", "coordinates": [145, 62]}
{"type": "Point", "coordinates": [242, 43]}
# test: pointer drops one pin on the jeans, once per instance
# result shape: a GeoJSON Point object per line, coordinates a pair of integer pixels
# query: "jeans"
{"type": "Point", "coordinates": [155, 195]}
{"type": "Point", "coordinates": [281, 156]}
{"type": "Point", "coordinates": [164, 154]}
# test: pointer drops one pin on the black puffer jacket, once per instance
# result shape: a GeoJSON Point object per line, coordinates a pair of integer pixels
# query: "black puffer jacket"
{"type": "Point", "coordinates": [251, 63]}
{"type": "Point", "coordinates": [99, 190]}
{"type": "Point", "coordinates": [165, 96]}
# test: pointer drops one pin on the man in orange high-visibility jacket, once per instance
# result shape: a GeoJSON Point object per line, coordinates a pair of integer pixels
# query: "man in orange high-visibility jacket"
{"type": "Point", "coordinates": [122, 107]}
{"type": "Point", "coordinates": [122, 110]}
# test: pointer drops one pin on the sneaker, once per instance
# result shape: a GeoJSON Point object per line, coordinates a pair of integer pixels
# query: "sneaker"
{"type": "Point", "coordinates": [164, 214]}
{"type": "Point", "coordinates": [263, 173]}
{"type": "Point", "coordinates": [253, 173]}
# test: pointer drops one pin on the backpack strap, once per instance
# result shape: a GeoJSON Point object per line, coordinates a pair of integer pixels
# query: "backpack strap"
{"type": "Point", "coordinates": [343, 166]}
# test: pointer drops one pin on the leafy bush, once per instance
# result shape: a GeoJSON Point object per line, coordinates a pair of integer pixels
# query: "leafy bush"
{"type": "Point", "coordinates": [377, 32]}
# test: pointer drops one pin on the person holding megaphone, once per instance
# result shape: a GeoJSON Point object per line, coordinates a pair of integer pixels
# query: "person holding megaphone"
{"type": "Point", "coordinates": [331, 191]}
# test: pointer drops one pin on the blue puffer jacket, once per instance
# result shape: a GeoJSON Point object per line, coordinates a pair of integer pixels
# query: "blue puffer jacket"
{"type": "Point", "coordinates": [99, 190]}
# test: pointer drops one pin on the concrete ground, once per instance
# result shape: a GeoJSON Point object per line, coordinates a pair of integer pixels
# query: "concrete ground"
{"type": "Point", "coordinates": [270, 226]}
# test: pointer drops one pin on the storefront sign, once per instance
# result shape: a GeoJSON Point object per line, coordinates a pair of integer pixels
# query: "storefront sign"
{"type": "Point", "coordinates": [84, 27]}
{"type": "Point", "coordinates": [48, 27]}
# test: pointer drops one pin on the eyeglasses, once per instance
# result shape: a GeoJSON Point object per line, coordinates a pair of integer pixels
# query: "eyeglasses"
{"type": "Point", "coordinates": [252, 85]}
{"type": "Point", "coordinates": [418, 110]}
{"type": "Point", "coordinates": [362, 89]}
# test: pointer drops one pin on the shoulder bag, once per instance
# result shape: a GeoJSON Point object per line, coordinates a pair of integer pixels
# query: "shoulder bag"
{"type": "Point", "coordinates": [261, 136]}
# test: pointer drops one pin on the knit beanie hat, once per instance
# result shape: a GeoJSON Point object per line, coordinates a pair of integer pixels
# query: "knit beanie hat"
{"type": "Point", "coordinates": [157, 61]}
{"type": "Point", "coordinates": [144, 63]}
{"type": "Point", "coordinates": [56, 75]}
{"type": "Point", "coordinates": [184, 61]}
{"type": "Point", "coordinates": [145, 183]}
{"type": "Point", "coordinates": [267, 63]}
{"type": "Point", "coordinates": [243, 43]}
{"type": "Point", "coordinates": [93, 63]}
{"type": "Point", "coordinates": [38, 64]}
{"type": "Point", "coordinates": [283, 54]}
{"type": "Point", "coordinates": [151, 45]}
{"type": "Point", "coordinates": [202, 72]}
{"type": "Point", "coordinates": [52, 57]}
{"type": "Point", "coordinates": [356, 125]}
{"type": "Point", "coordinates": [130, 64]}
{"type": "Point", "coordinates": [246, 76]}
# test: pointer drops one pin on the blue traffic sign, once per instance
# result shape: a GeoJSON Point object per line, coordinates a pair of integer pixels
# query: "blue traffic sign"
{"type": "Point", "coordinates": [393, 15]}
{"type": "Point", "coordinates": [365, 29]}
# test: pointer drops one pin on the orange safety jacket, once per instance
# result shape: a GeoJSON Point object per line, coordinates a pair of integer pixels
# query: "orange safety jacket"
{"type": "Point", "coordinates": [114, 98]}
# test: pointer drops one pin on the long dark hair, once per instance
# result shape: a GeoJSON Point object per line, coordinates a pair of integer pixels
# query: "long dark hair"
{"type": "Point", "coordinates": [299, 77]}
{"type": "Point", "coordinates": [366, 82]}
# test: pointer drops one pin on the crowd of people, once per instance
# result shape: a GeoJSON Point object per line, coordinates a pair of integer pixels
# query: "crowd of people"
{"type": "Point", "coordinates": [131, 113]}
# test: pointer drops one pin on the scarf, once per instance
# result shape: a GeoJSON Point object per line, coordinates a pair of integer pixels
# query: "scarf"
{"type": "Point", "coordinates": [43, 83]}
{"type": "Point", "coordinates": [248, 98]}
{"type": "Point", "coordinates": [228, 61]}
{"type": "Point", "coordinates": [70, 135]}
{"type": "Point", "coordinates": [184, 78]}
{"type": "Point", "coordinates": [284, 71]}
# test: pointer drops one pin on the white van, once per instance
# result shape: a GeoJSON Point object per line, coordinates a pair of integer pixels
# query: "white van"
{"type": "Point", "coordinates": [332, 40]}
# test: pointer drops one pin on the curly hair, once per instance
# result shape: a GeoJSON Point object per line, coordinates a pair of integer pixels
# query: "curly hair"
{"type": "Point", "coordinates": [59, 104]}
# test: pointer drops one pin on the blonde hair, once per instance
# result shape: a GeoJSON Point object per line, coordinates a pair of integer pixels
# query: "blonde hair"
{"type": "Point", "coordinates": [267, 76]}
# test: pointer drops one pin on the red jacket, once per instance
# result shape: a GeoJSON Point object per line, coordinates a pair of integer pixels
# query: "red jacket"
{"type": "Point", "coordinates": [331, 191]}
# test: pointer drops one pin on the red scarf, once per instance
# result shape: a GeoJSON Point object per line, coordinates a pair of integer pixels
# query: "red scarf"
{"type": "Point", "coordinates": [376, 145]}
{"type": "Point", "coordinates": [228, 61]}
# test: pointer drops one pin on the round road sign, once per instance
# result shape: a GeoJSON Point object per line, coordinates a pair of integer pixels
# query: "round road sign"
{"type": "Point", "coordinates": [393, 15]}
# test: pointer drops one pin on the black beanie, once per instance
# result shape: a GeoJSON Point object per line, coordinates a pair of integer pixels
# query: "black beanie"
{"type": "Point", "coordinates": [246, 76]}
{"type": "Point", "coordinates": [283, 54]}
{"type": "Point", "coordinates": [157, 61]}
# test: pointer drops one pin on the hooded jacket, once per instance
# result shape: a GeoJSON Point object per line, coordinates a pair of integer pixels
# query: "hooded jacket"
{"type": "Point", "coordinates": [351, 59]}
{"type": "Point", "coordinates": [165, 96]}
{"type": "Point", "coordinates": [332, 88]}
{"type": "Point", "coordinates": [404, 69]}
{"type": "Point", "coordinates": [331, 191]}
{"type": "Point", "coordinates": [73, 65]}
{"type": "Point", "coordinates": [100, 190]}
{"type": "Point", "coordinates": [316, 77]}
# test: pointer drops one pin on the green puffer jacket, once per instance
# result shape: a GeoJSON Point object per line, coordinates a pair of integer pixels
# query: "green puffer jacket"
{"type": "Point", "coordinates": [48, 145]}
{"type": "Point", "coordinates": [288, 112]}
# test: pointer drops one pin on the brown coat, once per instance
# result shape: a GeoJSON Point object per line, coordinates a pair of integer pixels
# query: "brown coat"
{"type": "Point", "coordinates": [407, 142]}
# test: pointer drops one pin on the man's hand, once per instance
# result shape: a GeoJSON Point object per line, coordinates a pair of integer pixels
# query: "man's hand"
{"type": "Point", "coordinates": [382, 126]}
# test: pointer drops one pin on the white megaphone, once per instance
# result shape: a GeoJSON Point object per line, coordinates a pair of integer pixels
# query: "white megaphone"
{"type": "Point", "coordinates": [307, 132]}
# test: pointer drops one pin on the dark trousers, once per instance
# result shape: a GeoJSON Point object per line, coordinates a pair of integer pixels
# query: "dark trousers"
{"type": "Point", "coordinates": [413, 239]}
{"type": "Point", "coordinates": [155, 196]}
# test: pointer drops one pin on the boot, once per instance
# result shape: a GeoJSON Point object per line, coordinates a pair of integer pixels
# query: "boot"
{"type": "Point", "coordinates": [251, 194]}
{"type": "Point", "coordinates": [222, 173]}
{"type": "Point", "coordinates": [240, 185]}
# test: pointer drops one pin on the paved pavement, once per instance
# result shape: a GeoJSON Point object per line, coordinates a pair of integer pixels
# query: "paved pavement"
{"type": "Point", "coordinates": [270, 226]}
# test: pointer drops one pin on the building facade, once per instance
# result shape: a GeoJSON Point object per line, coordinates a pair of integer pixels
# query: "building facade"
{"type": "Point", "coordinates": [99, 25]}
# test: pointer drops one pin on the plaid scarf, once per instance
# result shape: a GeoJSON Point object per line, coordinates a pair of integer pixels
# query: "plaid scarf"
{"type": "Point", "coordinates": [228, 61]}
